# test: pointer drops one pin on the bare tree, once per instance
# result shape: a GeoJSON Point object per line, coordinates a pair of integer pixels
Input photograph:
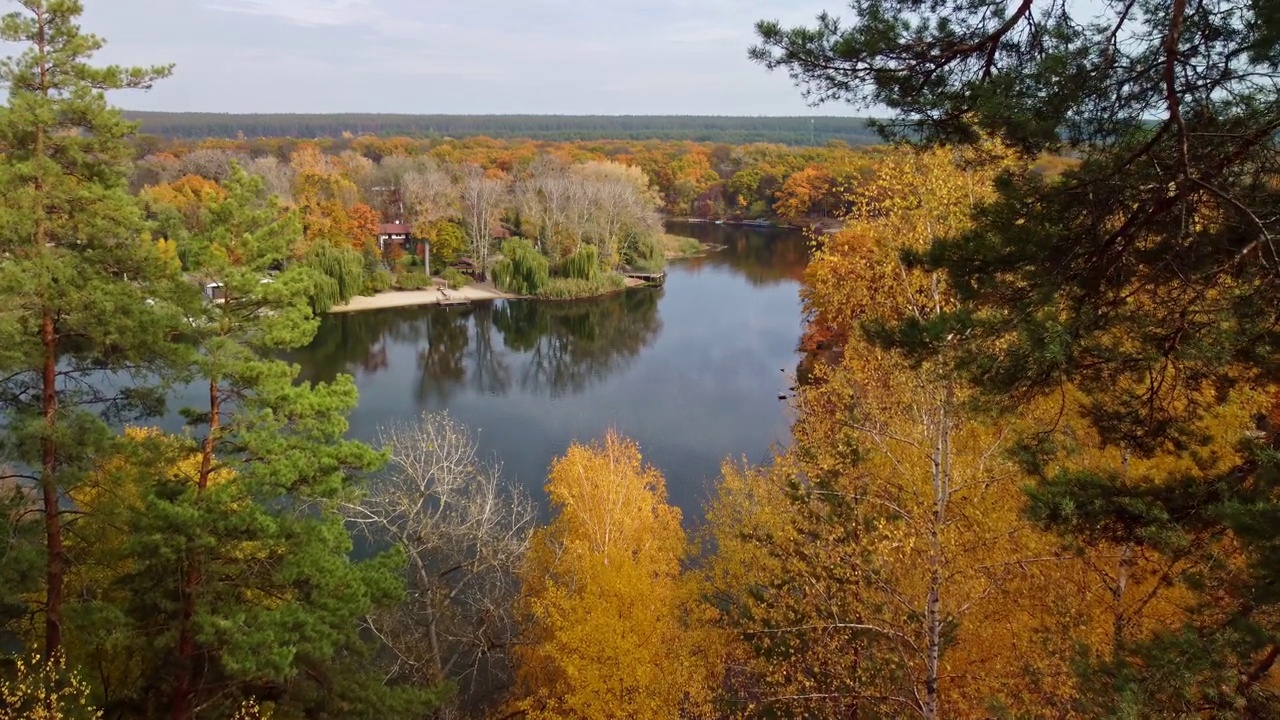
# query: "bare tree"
{"type": "Point", "coordinates": [211, 163]}
{"type": "Point", "coordinates": [483, 199]}
{"type": "Point", "coordinates": [155, 169]}
{"type": "Point", "coordinates": [464, 534]}
{"type": "Point", "coordinates": [277, 175]}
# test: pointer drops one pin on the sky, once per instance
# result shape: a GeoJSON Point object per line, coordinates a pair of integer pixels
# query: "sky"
{"type": "Point", "coordinates": [603, 57]}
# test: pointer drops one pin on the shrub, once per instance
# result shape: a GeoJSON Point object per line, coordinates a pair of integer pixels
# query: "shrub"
{"type": "Point", "coordinates": [378, 281]}
{"type": "Point", "coordinates": [582, 265]}
{"type": "Point", "coordinates": [571, 288]}
{"type": "Point", "coordinates": [523, 270]}
{"type": "Point", "coordinates": [645, 253]}
{"type": "Point", "coordinates": [413, 281]}
{"type": "Point", "coordinates": [455, 279]}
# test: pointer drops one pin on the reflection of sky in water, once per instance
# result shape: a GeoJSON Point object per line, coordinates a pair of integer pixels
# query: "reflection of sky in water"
{"type": "Point", "coordinates": [692, 372]}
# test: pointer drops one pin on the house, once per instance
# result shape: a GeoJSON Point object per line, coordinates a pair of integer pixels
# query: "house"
{"type": "Point", "coordinates": [391, 235]}
{"type": "Point", "coordinates": [399, 235]}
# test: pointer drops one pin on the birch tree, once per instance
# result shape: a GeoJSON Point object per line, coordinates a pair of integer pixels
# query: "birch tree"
{"type": "Point", "coordinates": [483, 199]}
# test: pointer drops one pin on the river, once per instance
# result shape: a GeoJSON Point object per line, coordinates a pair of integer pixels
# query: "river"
{"type": "Point", "coordinates": [692, 371]}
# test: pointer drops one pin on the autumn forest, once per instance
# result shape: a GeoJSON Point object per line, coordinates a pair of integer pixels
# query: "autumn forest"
{"type": "Point", "coordinates": [1032, 468]}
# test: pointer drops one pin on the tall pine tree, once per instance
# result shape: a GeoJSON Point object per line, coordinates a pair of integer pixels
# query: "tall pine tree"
{"type": "Point", "coordinates": [75, 324]}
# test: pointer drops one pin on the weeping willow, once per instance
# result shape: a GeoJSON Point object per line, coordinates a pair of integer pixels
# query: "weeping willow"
{"type": "Point", "coordinates": [583, 264]}
{"type": "Point", "coordinates": [523, 270]}
{"type": "Point", "coordinates": [340, 275]}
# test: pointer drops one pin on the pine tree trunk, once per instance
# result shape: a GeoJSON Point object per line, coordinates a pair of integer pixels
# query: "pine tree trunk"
{"type": "Point", "coordinates": [184, 689]}
{"type": "Point", "coordinates": [54, 560]}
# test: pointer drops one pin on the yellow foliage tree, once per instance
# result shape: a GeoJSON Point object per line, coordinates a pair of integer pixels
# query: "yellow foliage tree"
{"type": "Point", "coordinates": [806, 192]}
{"type": "Point", "coordinates": [612, 631]}
{"type": "Point", "coordinates": [40, 690]}
{"type": "Point", "coordinates": [884, 563]}
{"type": "Point", "coordinates": [894, 521]}
{"type": "Point", "coordinates": [190, 195]}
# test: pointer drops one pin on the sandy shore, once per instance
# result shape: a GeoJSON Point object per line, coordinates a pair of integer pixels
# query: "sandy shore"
{"type": "Point", "coordinates": [431, 296]}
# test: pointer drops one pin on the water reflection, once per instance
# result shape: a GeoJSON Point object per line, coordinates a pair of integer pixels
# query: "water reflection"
{"type": "Point", "coordinates": [764, 256]}
{"type": "Point", "coordinates": [691, 371]}
{"type": "Point", "coordinates": [549, 348]}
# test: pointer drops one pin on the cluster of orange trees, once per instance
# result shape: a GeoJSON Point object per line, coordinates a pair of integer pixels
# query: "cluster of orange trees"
{"type": "Point", "coordinates": [700, 179]}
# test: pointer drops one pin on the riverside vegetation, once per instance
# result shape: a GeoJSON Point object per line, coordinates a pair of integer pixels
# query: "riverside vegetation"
{"type": "Point", "coordinates": [1033, 473]}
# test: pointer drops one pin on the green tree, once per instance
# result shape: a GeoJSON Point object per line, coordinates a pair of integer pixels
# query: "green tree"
{"type": "Point", "coordinates": [1144, 276]}
{"type": "Point", "coordinates": [232, 537]}
{"type": "Point", "coordinates": [76, 274]}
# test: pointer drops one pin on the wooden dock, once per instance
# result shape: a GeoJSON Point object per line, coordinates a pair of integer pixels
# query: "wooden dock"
{"type": "Point", "coordinates": [649, 279]}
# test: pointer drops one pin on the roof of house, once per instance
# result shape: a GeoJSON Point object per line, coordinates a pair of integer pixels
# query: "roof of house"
{"type": "Point", "coordinates": [393, 229]}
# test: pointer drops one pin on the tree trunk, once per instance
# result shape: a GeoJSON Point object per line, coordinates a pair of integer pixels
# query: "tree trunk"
{"type": "Point", "coordinates": [55, 562]}
{"type": "Point", "coordinates": [933, 603]}
{"type": "Point", "coordinates": [183, 706]}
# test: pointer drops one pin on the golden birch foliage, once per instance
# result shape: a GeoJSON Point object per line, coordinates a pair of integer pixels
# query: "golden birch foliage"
{"type": "Point", "coordinates": [611, 629]}
{"type": "Point", "coordinates": [884, 564]}
{"type": "Point", "coordinates": [41, 690]}
{"type": "Point", "coordinates": [904, 555]}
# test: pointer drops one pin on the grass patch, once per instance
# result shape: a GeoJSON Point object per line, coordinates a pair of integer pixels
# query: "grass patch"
{"type": "Point", "coordinates": [410, 280]}
{"type": "Point", "coordinates": [676, 246]}
{"type": "Point", "coordinates": [572, 288]}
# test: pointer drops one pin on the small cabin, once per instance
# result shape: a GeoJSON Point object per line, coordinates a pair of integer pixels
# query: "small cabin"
{"type": "Point", "coordinates": [399, 235]}
{"type": "Point", "coordinates": [466, 266]}
{"type": "Point", "coordinates": [216, 292]}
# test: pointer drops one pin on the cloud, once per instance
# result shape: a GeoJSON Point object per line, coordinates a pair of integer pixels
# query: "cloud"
{"type": "Point", "coordinates": [302, 12]}
{"type": "Point", "coordinates": [323, 13]}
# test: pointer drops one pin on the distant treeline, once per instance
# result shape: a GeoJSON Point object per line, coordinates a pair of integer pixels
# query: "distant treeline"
{"type": "Point", "coordinates": [731, 130]}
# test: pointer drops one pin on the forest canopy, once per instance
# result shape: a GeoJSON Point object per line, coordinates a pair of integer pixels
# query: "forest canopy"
{"type": "Point", "coordinates": [783, 130]}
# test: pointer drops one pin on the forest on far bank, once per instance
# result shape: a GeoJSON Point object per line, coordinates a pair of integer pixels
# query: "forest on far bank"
{"type": "Point", "coordinates": [719, 129]}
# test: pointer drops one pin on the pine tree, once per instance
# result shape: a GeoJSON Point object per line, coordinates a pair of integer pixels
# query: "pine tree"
{"type": "Point", "coordinates": [232, 536]}
{"type": "Point", "coordinates": [76, 275]}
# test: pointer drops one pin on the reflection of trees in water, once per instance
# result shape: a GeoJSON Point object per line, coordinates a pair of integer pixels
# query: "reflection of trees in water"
{"type": "Point", "coordinates": [563, 347]}
{"type": "Point", "coordinates": [552, 347]}
{"type": "Point", "coordinates": [762, 256]}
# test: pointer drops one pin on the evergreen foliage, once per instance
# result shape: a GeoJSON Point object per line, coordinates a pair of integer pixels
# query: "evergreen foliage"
{"type": "Point", "coordinates": [788, 130]}
{"type": "Point", "coordinates": [77, 275]}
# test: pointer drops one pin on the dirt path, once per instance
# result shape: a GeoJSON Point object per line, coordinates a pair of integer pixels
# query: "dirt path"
{"type": "Point", "coordinates": [429, 296]}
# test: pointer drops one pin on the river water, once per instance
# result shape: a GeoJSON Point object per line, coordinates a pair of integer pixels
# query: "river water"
{"type": "Point", "coordinates": [692, 371]}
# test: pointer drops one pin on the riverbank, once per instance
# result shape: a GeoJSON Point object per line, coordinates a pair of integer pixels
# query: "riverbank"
{"type": "Point", "coordinates": [431, 296]}
{"type": "Point", "coordinates": [818, 225]}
